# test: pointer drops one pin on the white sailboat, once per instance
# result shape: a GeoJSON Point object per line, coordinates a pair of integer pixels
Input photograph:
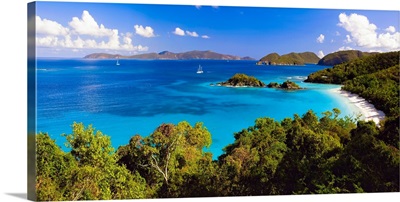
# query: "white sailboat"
{"type": "Point", "coordinates": [200, 70]}
{"type": "Point", "coordinates": [117, 61]}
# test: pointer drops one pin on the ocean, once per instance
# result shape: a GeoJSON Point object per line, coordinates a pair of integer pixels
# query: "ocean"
{"type": "Point", "coordinates": [138, 95]}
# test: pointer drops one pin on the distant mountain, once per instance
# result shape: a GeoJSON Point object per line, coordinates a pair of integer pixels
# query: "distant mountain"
{"type": "Point", "coordinates": [342, 57]}
{"type": "Point", "coordinates": [289, 59]}
{"type": "Point", "coordinates": [166, 55]}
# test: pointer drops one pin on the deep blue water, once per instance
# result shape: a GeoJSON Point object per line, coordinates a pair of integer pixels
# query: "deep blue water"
{"type": "Point", "coordinates": [139, 95]}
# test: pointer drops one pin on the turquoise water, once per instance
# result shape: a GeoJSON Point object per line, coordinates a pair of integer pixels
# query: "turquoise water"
{"type": "Point", "coordinates": [139, 95]}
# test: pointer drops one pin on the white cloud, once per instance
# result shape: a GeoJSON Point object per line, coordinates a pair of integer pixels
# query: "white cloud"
{"type": "Point", "coordinates": [144, 31]}
{"type": "Point", "coordinates": [178, 31]}
{"type": "Point", "coordinates": [321, 38]}
{"type": "Point", "coordinates": [193, 34]}
{"type": "Point", "coordinates": [364, 34]}
{"type": "Point", "coordinates": [50, 27]}
{"type": "Point", "coordinates": [391, 29]}
{"type": "Point", "coordinates": [320, 54]}
{"type": "Point", "coordinates": [345, 48]}
{"type": "Point", "coordinates": [337, 33]}
{"type": "Point", "coordinates": [372, 50]}
{"type": "Point", "coordinates": [348, 39]}
{"type": "Point", "coordinates": [83, 33]}
{"type": "Point", "coordinates": [88, 26]}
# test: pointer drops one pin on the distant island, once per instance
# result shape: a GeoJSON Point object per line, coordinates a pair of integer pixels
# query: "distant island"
{"type": "Point", "coordinates": [242, 80]}
{"type": "Point", "coordinates": [166, 55]}
{"type": "Point", "coordinates": [289, 59]}
{"type": "Point", "coordinates": [342, 57]}
{"type": "Point", "coordinates": [287, 85]}
{"type": "Point", "coordinates": [303, 58]}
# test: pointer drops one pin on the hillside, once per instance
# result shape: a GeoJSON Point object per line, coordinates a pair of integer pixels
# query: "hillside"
{"type": "Point", "coordinates": [356, 67]}
{"type": "Point", "coordinates": [342, 56]}
{"type": "Point", "coordinates": [375, 78]}
{"type": "Point", "coordinates": [289, 59]}
{"type": "Point", "coordinates": [165, 55]}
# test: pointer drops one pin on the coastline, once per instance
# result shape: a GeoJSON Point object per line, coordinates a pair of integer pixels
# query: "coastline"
{"type": "Point", "coordinates": [368, 110]}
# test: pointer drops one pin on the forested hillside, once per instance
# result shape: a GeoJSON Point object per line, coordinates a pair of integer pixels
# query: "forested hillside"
{"type": "Point", "coordinates": [357, 67]}
{"type": "Point", "coordinates": [375, 78]}
{"type": "Point", "coordinates": [300, 155]}
{"type": "Point", "coordinates": [342, 57]}
{"type": "Point", "coordinates": [289, 59]}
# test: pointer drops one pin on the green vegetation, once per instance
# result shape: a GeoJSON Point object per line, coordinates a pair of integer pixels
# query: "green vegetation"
{"type": "Point", "coordinates": [287, 85]}
{"type": "Point", "coordinates": [299, 155]}
{"type": "Point", "coordinates": [381, 88]}
{"type": "Point", "coordinates": [88, 172]}
{"type": "Point", "coordinates": [375, 78]}
{"type": "Point", "coordinates": [338, 74]}
{"type": "Point", "coordinates": [342, 57]}
{"type": "Point", "coordinates": [243, 80]}
{"type": "Point", "coordinates": [289, 59]}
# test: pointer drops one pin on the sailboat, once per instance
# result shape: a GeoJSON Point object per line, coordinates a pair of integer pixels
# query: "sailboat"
{"type": "Point", "coordinates": [117, 61]}
{"type": "Point", "coordinates": [200, 70]}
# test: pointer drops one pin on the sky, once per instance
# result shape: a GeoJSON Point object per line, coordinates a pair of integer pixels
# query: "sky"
{"type": "Point", "coordinates": [77, 29]}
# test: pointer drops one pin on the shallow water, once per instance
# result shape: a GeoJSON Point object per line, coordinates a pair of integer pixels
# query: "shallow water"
{"type": "Point", "coordinates": [138, 95]}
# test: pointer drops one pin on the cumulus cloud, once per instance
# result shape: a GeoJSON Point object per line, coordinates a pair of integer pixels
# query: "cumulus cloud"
{"type": "Point", "coordinates": [178, 31]}
{"type": "Point", "coordinates": [193, 34]}
{"type": "Point", "coordinates": [144, 31]}
{"type": "Point", "coordinates": [88, 26]}
{"type": "Point", "coordinates": [320, 54]}
{"type": "Point", "coordinates": [321, 38]}
{"type": "Point", "coordinates": [83, 33]}
{"type": "Point", "coordinates": [364, 34]}
{"type": "Point", "coordinates": [50, 27]}
{"type": "Point", "coordinates": [391, 29]}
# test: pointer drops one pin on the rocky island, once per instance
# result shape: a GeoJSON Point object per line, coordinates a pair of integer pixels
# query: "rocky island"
{"type": "Point", "coordinates": [242, 80]}
{"type": "Point", "coordinates": [287, 85]}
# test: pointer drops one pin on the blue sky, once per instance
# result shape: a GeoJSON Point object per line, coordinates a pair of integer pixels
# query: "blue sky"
{"type": "Point", "coordinates": [77, 29]}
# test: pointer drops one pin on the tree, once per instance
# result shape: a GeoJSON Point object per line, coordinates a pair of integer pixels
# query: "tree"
{"type": "Point", "coordinates": [250, 162]}
{"type": "Point", "coordinates": [52, 169]}
{"type": "Point", "coordinates": [97, 176]}
{"type": "Point", "coordinates": [168, 156]}
{"type": "Point", "coordinates": [367, 164]}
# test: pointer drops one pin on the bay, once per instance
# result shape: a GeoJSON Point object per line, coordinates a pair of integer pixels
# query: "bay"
{"type": "Point", "coordinates": [138, 95]}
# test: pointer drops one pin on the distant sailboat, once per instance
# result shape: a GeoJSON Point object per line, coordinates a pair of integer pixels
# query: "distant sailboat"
{"type": "Point", "coordinates": [200, 70]}
{"type": "Point", "coordinates": [117, 61]}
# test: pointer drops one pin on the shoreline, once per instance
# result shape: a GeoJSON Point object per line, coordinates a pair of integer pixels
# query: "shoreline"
{"type": "Point", "coordinates": [368, 110]}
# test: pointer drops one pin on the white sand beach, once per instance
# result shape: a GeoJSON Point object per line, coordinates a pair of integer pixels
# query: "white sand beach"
{"type": "Point", "coordinates": [368, 111]}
